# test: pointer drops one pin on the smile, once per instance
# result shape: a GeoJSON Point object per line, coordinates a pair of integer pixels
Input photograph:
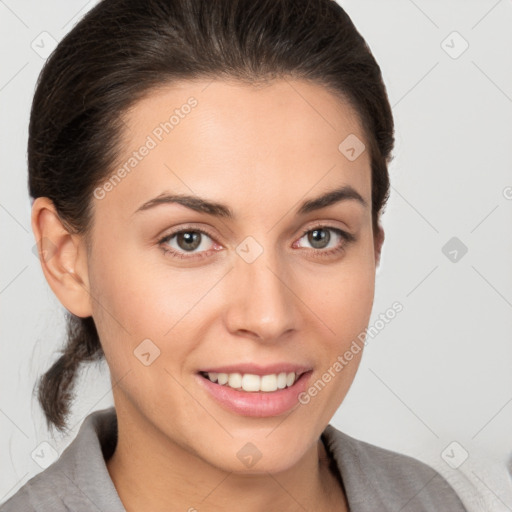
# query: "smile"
{"type": "Point", "coordinates": [259, 396]}
{"type": "Point", "coordinates": [253, 383]}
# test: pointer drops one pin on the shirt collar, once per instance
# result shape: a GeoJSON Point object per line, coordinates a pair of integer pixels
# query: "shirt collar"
{"type": "Point", "coordinates": [83, 464]}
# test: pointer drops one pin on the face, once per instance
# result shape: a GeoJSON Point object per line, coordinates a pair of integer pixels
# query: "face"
{"type": "Point", "coordinates": [255, 284]}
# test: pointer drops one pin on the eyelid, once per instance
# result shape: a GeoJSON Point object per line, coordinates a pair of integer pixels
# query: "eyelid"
{"type": "Point", "coordinates": [187, 227]}
{"type": "Point", "coordinates": [329, 225]}
{"type": "Point", "coordinates": [192, 227]}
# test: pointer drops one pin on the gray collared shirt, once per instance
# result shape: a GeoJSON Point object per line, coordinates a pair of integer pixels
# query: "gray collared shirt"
{"type": "Point", "coordinates": [374, 479]}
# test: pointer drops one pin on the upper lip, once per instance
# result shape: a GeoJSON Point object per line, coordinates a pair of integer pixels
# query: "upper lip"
{"type": "Point", "coordinates": [259, 369]}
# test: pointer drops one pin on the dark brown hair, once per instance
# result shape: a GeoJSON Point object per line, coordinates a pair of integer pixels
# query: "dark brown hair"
{"type": "Point", "coordinates": [121, 50]}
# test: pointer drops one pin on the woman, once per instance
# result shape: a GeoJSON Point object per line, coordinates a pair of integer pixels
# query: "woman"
{"type": "Point", "coordinates": [208, 180]}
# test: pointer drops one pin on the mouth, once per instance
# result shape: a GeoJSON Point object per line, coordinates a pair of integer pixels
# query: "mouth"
{"type": "Point", "coordinates": [252, 395]}
{"type": "Point", "coordinates": [252, 383]}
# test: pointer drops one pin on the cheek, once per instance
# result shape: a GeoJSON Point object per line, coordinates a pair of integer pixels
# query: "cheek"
{"type": "Point", "coordinates": [343, 304]}
{"type": "Point", "coordinates": [132, 289]}
{"type": "Point", "coordinates": [139, 298]}
{"type": "Point", "coordinates": [125, 308]}
{"type": "Point", "coordinates": [343, 296]}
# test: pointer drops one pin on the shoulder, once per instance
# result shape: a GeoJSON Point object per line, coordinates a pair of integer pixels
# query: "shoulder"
{"type": "Point", "coordinates": [40, 493]}
{"type": "Point", "coordinates": [78, 479]}
{"type": "Point", "coordinates": [377, 478]}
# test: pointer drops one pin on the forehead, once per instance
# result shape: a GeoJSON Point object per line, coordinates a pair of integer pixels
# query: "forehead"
{"type": "Point", "coordinates": [277, 140]}
{"type": "Point", "coordinates": [281, 107]}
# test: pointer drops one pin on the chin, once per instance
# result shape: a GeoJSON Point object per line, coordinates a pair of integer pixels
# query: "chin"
{"type": "Point", "coordinates": [259, 454]}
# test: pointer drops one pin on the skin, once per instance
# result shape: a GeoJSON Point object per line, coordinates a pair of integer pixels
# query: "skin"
{"type": "Point", "coordinates": [261, 151]}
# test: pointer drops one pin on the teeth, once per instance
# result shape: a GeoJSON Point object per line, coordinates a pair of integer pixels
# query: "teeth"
{"type": "Point", "coordinates": [235, 380]}
{"type": "Point", "coordinates": [251, 382]}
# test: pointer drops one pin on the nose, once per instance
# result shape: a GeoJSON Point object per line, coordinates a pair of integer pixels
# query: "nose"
{"type": "Point", "coordinates": [261, 303]}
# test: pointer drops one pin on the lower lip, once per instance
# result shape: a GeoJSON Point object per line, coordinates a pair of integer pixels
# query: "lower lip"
{"type": "Point", "coordinates": [258, 404]}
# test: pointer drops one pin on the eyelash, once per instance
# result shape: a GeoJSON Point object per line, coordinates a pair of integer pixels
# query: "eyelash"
{"type": "Point", "coordinates": [347, 237]}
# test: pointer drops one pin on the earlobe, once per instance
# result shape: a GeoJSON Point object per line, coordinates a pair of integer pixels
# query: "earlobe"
{"type": "Point", "coordinates": [63, 258]}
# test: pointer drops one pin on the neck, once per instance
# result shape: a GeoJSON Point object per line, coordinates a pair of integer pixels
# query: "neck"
{"type": "Point", "coordinates": [152, 473]}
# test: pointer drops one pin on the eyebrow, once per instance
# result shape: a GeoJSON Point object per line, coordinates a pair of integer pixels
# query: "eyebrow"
{"type": "Point", "coordinates": [198, 204]}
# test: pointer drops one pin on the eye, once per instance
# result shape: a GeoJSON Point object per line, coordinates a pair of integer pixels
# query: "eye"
{"type": "Point", "coordinates": [187, 243]}
{"type": "Point", "coordinates": [321, 238]}
{"type": "Point", "coordinates": [193, 243]}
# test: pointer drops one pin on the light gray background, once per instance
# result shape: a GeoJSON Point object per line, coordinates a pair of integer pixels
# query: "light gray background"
{"type": "Point", "coordinates": [441, 371]}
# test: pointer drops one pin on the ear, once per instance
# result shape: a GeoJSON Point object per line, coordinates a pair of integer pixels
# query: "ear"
{"type": "Point", "coordinates": [378, 241]}
{"type": "Point", "coordinates": [63, 258]}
